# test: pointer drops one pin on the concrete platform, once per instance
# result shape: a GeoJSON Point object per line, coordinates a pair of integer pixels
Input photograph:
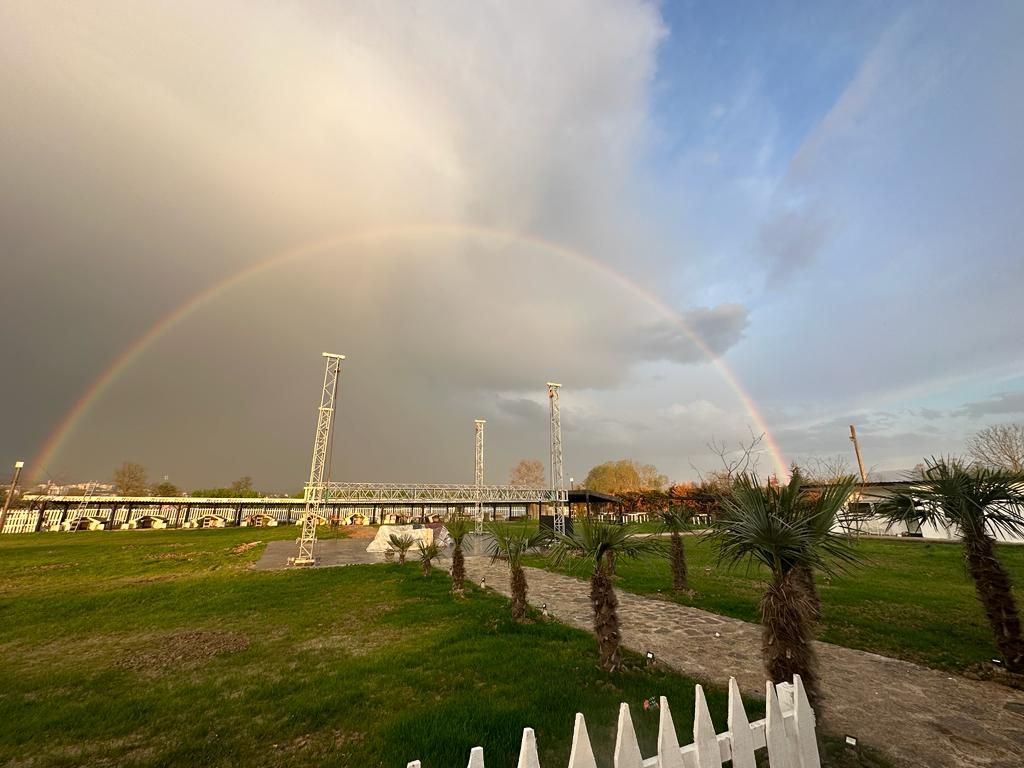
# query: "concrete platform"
{"type": "Point", "coordinates": [330, 552]}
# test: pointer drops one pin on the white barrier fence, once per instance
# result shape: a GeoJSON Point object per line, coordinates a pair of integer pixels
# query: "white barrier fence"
{"type": "Point", "coordinates": [787, 732]}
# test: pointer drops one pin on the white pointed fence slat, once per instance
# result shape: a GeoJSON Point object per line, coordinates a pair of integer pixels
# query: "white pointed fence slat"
{"type": "Point", "coordinates": [582, 754]}
{"type": "Point", "coordinates": [627, 750]}
{"type": "Point", "coordinates": [787, 732]}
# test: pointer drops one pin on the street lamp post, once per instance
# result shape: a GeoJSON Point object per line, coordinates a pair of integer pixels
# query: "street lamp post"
{"type": "Point", "coordinates": [10, 494]}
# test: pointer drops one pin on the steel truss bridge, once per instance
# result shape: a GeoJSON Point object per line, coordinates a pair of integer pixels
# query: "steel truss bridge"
{"type": "Point", "coordinates": [432, 493]}
{"type": "Point", "coordinates": [375, 501]}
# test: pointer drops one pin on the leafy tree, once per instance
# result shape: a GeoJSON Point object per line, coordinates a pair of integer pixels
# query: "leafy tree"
{"type": "Point", "coordinates": [790, 532]}
{"type": "Point", "coordinates": [130, 479]}
{"type": "Point", "coordinates": [623, 476]}
{"type": "Point", "coordinates": [459, 529]}
{"type": "Point", "coordinates": [241, 485]}
{"type": "Point", "coordinates": [166, 488]}
{"type": "Point", "coordinates": [401, 543]}
{"type": "Point", "coordinates": [601, 543]}
{"type": "Point", "coordinates": [511, 544]}
{"type": "Point", "coordinates": [528, 473]}
{"type": "Point", "coordinates": [979, 503]}
{"type": "Point", "coordinates": [428, 554]}
{"type": "Point", "coordinates": [675, 520]}
{"type": "Point", "coordinates": [1000, 446]}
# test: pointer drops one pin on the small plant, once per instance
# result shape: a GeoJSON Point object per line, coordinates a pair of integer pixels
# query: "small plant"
{"type": "Point", "coordinates": [601, 543]}
{"type": "Point", "coordinates": [459, 529]}
{"type": "Point", "coordinates": [428, 554]}
{"type": "Point", "coordinates": [676, 520]}
{"type": "Point", "coordinates": [402, 544]}
{"type": "Point", "coordinates": [510, 544]}
{"type": "Point", "coordinates": [389, 555]}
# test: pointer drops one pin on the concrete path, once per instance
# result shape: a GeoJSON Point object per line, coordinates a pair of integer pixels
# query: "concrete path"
{"type": "Point", "coordinates": [914, 715]}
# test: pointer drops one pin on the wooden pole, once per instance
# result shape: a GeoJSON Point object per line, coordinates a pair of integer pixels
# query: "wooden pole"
{"type": "Point", "coordinates": [856, 448]}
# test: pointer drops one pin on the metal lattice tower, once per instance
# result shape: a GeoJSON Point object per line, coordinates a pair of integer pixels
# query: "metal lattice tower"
{"type": "Point", "coordinates": [557, 476]}
{"type": "Point", "coordinates": [478, 471]}
{"type": "Point", "coordinates": [316, 488]}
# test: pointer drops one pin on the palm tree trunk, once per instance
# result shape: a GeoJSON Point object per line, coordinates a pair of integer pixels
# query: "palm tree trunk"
{"type": "Point", "coordinates": [786, 634]}
{"type": "Point", "coordinates": [518, 584]}
{"type": "Point", "coordinates": [805, 577]}
{"type": "Point", "coordinates": [427, 568]}
{"type": "Point", "coordinates": [993, 586]}
{"type": "Point", "coordinates": [606, 618]}
{"type": "Point", "coordinates": [678, 560]}
{"type": "Point", "coordinates": [401, 557]}
{"type": "Point", "coordinates": [458, 569]}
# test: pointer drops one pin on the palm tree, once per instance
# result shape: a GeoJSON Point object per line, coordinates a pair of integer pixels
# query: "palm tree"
{"type": "Point", "coordinates": [459, 529]}
{"type": "Point", "coordinates": [511, 544]}
{"type": "Point", "coordinates": [791, 532]}
{"type": "Point", "coordinates": [600, 543]}
{"type": "Point", "coordinates": [401, 543]}
{"type": "Point", "coordinates": [980, 503]}
{"type": "Point", "coordinates": [428, 554]}
{"type": "Point", "coordinates": [675, 520]}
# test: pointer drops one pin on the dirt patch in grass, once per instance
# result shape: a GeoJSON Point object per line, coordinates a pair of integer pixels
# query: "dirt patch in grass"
{"type": "Point", "coordinates": [183, 557]}
{"type": "Point", "coordinates": [48, 567]}
{"type": "Point", "coordinates": [359, 642]}
{"type": "Point", "coordinates": [181, 650]}
{"type": "Point", "coordinates": [242, 548]}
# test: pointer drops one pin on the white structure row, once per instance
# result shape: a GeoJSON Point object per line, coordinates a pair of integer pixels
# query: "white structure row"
{"type": "Point", "coordinates": [787, 733]}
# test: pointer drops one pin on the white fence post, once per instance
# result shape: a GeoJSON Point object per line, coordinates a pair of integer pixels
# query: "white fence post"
{"type": "Point", "coordinates": [669, 755]}
{"type": "Point", "coordinates": [528, 750]}
{"type": "Point", "coordinates": [740, 740]}
{"type": "Point", "coordinates": [627, 750]}
{"type": "Point", "coordinates": [582, 754]}
{"type": "Point", "coordinates": [787, 731]}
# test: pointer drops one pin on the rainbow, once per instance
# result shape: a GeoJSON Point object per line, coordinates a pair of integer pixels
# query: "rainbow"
{"type": "Point", "coordinates": [67, 425]}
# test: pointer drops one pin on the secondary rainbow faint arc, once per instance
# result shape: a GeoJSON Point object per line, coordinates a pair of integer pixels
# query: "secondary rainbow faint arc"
{"type": "Point", "coordinates": [122, 362]}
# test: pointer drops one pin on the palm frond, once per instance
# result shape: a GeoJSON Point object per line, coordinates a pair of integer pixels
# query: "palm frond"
{"type": "Point", "coordinates": [971, 499]}
{"type": "Point", "coordinates": [593, 540]}
{"type": "Point", "coordinates": [511, 544]}
{"type": "Point", "coordinates": [784, 527]}
{"type": "Point", "coordinates": [460, 528]}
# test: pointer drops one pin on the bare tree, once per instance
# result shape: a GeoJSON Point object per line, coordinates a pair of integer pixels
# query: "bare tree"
{"type": "Point", "coordinates": [825, 470]}
{"type": "Point", "coordinates": [130, 479]}
{"type": "Point", "coordinates": [1000, 446]}
{"type": "Point", "coordinates": [742, 460]}
{"type": "Point", "coordinates": [528, 473]}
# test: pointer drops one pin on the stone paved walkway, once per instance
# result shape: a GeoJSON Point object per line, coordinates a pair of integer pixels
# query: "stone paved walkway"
{"type": "Point", "coordinates": [914, 715]}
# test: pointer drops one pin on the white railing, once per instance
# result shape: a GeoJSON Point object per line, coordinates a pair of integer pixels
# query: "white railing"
{"type": "Point", "coordinates": [787, 732]}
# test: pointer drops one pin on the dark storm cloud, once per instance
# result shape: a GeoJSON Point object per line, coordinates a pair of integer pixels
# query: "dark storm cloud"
{"type": "Point", "coordinates": [149, 154]}
{"type": "Point", "coordinates": [716, 328]}
{"type": "Point", "coordinates": [1005, 403]}
{"type": "Point", "coordinates": [791, 241]}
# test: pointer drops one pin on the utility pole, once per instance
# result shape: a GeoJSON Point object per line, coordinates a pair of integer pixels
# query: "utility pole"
{"type": "Point", "coordinates": [10, 494]}
{"type": "Point", "coordinates": [478, 472]}
{"type": "Point", "coordinates": [557, 478]}
{"type": "Point", "coordinates": [316, 488]}
{"type": "Point", "coordinates": [856, 448]}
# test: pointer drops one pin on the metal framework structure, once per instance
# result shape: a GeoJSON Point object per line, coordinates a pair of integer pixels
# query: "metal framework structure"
{"type": "Point", "coordinates": [316, 488]}
{"type": "Point", "coordinates": [76, 517]}
{"type": "Point", "coordinates": [433, 493]}
{"type": "Point", "coordinates": [557, 476]}
{"type": "Point", "coordinates": [478, 471]}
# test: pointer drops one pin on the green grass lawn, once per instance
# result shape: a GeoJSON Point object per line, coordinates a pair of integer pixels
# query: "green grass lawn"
{"type": "Point", "coordinates": [160, 648]}
{"type": "Point", "coordinates": [910, 599]}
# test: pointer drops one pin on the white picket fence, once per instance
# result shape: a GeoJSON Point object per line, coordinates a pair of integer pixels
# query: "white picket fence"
{"type": "Point", "coordinates": [787, 732]}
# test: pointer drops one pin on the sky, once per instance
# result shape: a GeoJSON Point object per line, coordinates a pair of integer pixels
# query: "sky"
{"type": "Point", "coordinates": [707, 220]}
